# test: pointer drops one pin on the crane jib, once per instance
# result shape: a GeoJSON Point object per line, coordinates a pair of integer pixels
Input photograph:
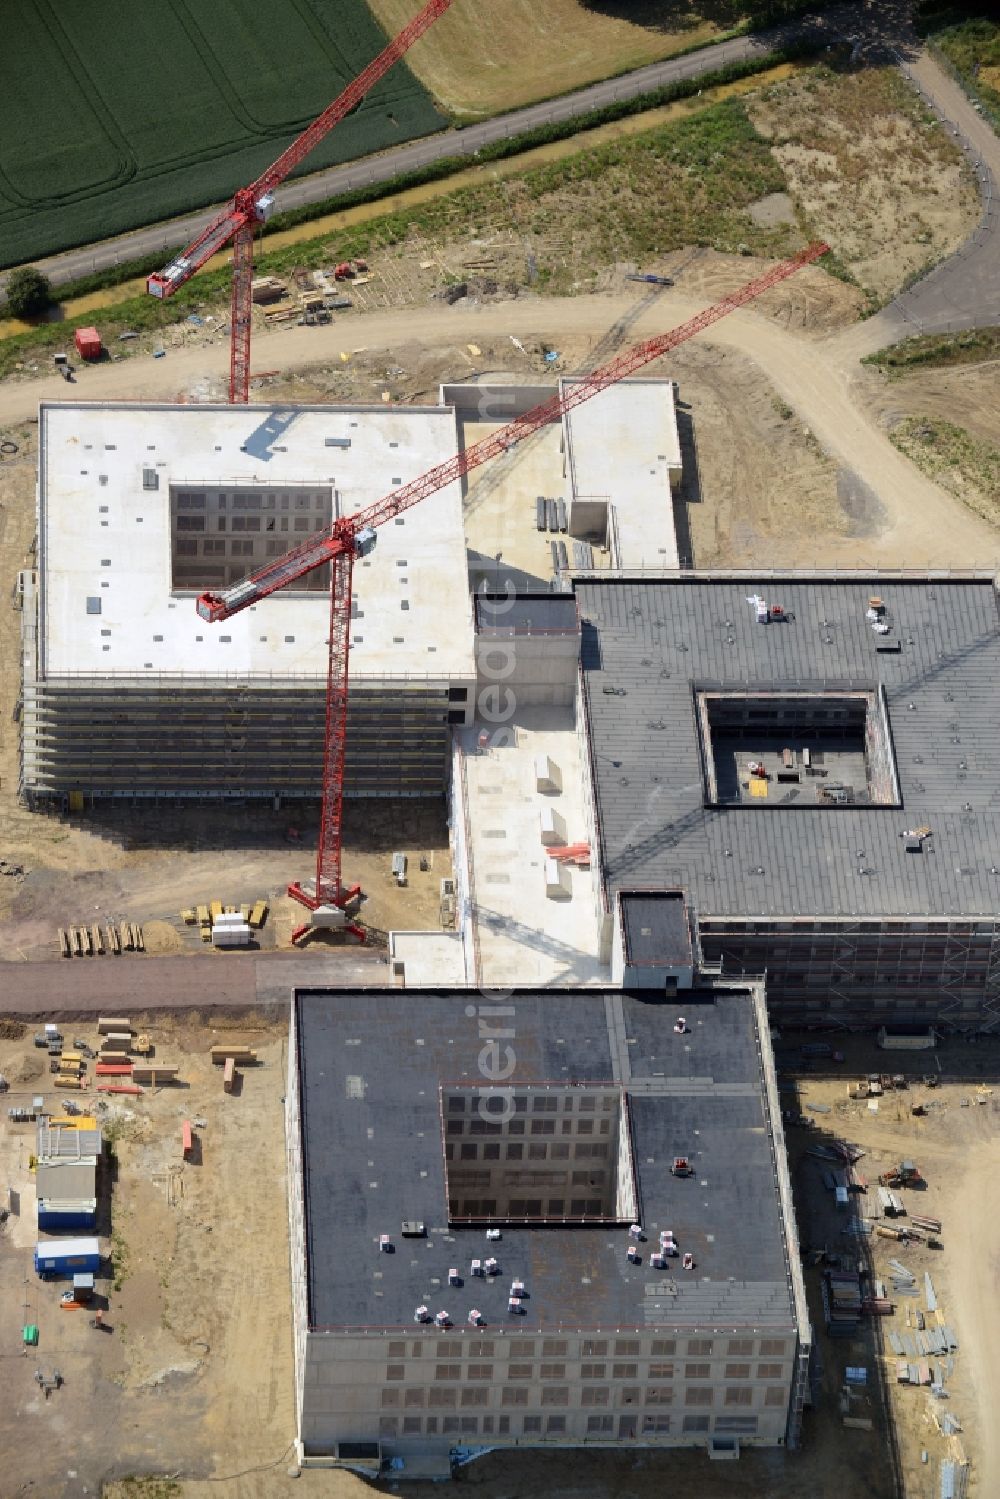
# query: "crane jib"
{"type": "Point", "coordinates": [254, 203]}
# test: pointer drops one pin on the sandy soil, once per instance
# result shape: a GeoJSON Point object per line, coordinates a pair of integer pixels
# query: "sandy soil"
{"type": "Point", "coordinates": [966, 395]}
{"type": "Point", "coordinates": [161, 871]}
{"type": "Point", "coordinates": [197, 1370]}
{"type": "Point", "coordinates": [547, 49]}
{"type": "Point", "coordinates": [869, 166]}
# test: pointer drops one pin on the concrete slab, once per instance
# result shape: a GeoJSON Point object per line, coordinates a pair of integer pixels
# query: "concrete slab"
{"type": "Point", "coordinates": [623, 446]}
{"type": "Point", "coordinates": [107, 606]}
{"type": "Point", "coordinates": [522, 937]}
{"type": "Point", "coordinates": [429, 959]}
{"type": "Point", "coordinates": [500, 507]}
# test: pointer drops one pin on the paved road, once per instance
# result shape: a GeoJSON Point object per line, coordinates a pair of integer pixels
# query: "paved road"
{"type": "Point", "coordinates": [79, 989]}
{"type": "Point", "coordinates": [964, 290]}
{"type": "Point", "coordinates": [465, 143]}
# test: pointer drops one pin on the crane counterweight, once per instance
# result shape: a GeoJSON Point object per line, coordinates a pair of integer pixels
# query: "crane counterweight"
{"type": "Point", "coordinates": [253, 205]}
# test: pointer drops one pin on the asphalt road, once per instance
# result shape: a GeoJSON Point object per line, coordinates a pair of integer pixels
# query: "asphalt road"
{"type": "Point", "coordinates": [82, 988]}
{"type": "Point", "coordinates": [465, 143]}
{"type": "Point", "coordinates": [964, 290]}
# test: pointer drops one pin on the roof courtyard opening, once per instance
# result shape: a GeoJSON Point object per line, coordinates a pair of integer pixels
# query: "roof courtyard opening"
{"type": "Point", "coordinates": [549, 1154]}
{"type": "Point", "coordinates": [815, 749]}
{"type": "Point", "coordinates": [219, 535]}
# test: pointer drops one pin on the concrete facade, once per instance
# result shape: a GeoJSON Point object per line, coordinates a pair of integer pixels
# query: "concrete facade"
{"type": "Point", "coordinates": [127, 692]}
{"type": "Point", "coordinates": [604, 1351]}
{"type": "Point", "coordinates": [859, 875]}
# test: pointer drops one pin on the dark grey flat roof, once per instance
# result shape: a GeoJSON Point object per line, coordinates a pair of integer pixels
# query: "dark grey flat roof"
{"type": "Point", "coordinates": [370, 1067]}
{"type": "Point", "coordinates": [661, 640]}
{"type": "Point", "coordinates": [527, 614]}
{"type": "Point", "coordinates": [656, 928]}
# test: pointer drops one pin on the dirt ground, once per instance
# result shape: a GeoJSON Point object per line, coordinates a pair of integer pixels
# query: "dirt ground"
{"type": "Point", "coordinates": [547, 49]}
{"type": "Point", "coordinates": [955, 1146]}
{"type": "Point", "coordinates": [196, 1242]}
{"type": "Point", "coordinates": [869, 166]}
{"type": "Point", "coordinates": [963, 397]}
{"type": "Point", "coordinates": [196, 1372]}
{"type": "Point", "coordinates": [96, 869]}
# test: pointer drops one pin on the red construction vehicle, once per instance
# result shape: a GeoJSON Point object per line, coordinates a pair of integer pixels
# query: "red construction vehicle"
{"type": "Point", "coordinates": [906, 1174]}
{"type": "Point", "coordinates": [348, 269]}
{"type": "Point", "coordinates": [253, 205]}
{"type": "Point", "coordinates": [351, 537]}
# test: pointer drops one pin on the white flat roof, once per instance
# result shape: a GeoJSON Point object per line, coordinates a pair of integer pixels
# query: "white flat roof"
{"type": "Point", "coordinates": [622, 445]}
{"type": "Point", "coordinates": [108, 538]}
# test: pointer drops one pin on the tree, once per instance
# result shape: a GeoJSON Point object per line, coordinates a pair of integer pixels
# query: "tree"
{"type": "Point", "coordinates": [28, 292]}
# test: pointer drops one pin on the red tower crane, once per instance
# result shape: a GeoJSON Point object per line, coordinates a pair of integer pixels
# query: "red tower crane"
{"type": "Point", "coordinates": [348, 539]}
{"type": "Point", "coordinates": [252, 205]}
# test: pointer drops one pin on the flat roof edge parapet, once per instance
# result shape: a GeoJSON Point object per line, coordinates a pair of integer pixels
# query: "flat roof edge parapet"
{"type": "Point", "coordinates": [200, 407]}
{"type": "Point", "coordinates": [624, 575]}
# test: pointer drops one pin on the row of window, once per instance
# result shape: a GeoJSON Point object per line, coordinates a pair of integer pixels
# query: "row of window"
{"type": "Point", "coordinates": [653, 1423]}
{"type": "Point", "coordinates": [730, 928]}
{"type": "Point", "coordinates": [541, 1103]}
{"type": "Point", "coordinates": [301, 523]}
{"type": "Point", "coordinates": [536, 1151]}
{"type": "Point", "coordinates": [587, 1371]}
{"type": "Point", "coordinates": [296, 500]}
{"type": "Point", "coordinates": [470, 1395]}
{"type": "Point", "coordinates": [529, 1207]}
{"type": "Point", "coordinates": [575, 1127]}
{"type": "Point", "coordinates": [523, 1348]}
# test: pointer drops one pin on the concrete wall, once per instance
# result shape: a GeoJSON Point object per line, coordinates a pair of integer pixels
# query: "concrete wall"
{"type": "Point", "coordinates": [494, 400]}
{"type": "Point", "coordinates": [465, 921]}
{"type": "Point", "coordinates": [419, 1391]}
{"type": "Point", "coordinates": [296, 1218]}
{"type": "Point", "coordinates": [538, 669]}
{"type": "Point", "coordinates": [605, 920]}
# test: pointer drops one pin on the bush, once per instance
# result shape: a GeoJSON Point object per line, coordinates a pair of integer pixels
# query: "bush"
{"type": "Point", "coordinates": [28, 292]}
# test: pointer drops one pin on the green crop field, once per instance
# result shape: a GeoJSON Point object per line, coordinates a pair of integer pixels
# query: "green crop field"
{"type": "Point", "coordinates": [113, 116]}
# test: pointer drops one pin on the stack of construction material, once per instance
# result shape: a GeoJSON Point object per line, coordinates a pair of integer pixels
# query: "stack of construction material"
{"type": "Point", "coordinates": [229, 929]}
{"type": "Point", "coordinates": [238, 1050]}
{"type": "Point", "coordinates": [842, 1302]}
{"type": "Point", "coordinates": [903, 1283]}
{"type": "Point", "coordinates": [154, 1072]}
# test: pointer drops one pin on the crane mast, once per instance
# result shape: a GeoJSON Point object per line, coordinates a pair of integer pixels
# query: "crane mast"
{"type": "Point", "coordinates": [347, 539]}
{"type": "Point", "coordinates": [253, 205]}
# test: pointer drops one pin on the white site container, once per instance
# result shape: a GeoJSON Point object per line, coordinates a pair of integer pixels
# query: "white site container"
{"type": "Point", "coordinates": [548, 776]}
{"type": "Point", "coordinates": [553, 827]}
{"type": "Point", "coordinates": [557, 880]}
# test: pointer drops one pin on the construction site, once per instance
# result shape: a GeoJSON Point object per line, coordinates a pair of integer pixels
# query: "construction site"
{"type": "Point", "coordinates": [496, 983]}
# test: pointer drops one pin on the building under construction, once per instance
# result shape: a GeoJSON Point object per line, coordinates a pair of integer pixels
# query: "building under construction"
{"type": "Point", "coordinates": [559, 1219]}
{"type": "Point", "coordinates": [815, 763]}
{"type": "Point", "coordinates": [126, 692]}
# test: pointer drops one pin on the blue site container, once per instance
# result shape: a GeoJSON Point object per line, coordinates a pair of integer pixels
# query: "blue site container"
{"type": "Point", "coordinates": [71, 1257]}
{"type": "Point", "coordinates": [60, 1217]}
